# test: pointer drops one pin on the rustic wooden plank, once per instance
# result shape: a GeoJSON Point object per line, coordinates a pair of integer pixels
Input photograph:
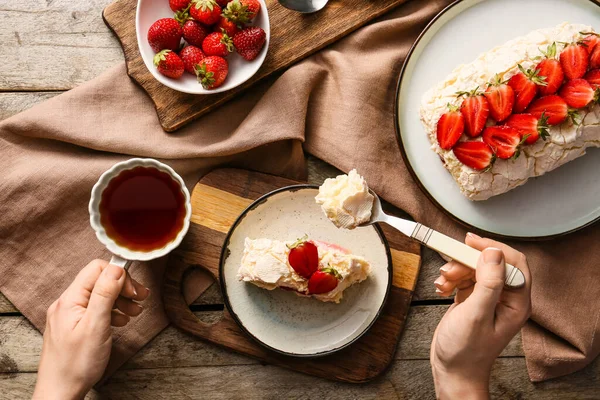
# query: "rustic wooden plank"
{"type": "Point", "coordinates": [54, 44]}
{"type": "Point", "coordinates": [13, 103]}
{"type": "Point", "coordinates": [21, 343]}
{"type": "Point", "coordinates": [294, 36]}
{"type": "Point", "coordinates": [405, 380]}
{"type": "Point", "coordinates": [6, 306]}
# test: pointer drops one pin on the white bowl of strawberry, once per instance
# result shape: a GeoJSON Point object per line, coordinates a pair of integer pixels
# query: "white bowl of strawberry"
{"type": "Point", "coordinates": [202, 46]}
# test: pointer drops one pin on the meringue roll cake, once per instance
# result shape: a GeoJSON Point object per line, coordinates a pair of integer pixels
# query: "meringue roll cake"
{"type": "Point", "coordinates": [309, 268]}
{"type": "Point", "coordinates": [518, 111]}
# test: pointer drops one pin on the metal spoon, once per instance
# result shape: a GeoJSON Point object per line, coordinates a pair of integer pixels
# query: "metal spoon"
{"type": "Point", "coordinates": [439, 242]}
{"type": "Point", "coordinates": [304, 6]}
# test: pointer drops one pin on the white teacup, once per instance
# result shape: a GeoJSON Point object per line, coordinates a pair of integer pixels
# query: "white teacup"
{"type": "Point", "coordinates": [123, 256]}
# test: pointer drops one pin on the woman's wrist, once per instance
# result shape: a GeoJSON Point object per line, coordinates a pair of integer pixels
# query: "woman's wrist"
{"type": "Point", "coordinates": [59, 390]}
{"type": "Point", "coordinates": [450, 385]}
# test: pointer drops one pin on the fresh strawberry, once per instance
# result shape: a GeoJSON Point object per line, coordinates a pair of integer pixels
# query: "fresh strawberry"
{"type": "Point", "coordinates": [194, 33]}
{"type": "Point", "coordinates": [578, 93]}
{"type": "Point", "coordinates": [253, 7]}
{"type": "Point", "coordinates": [169, 64]}
{"type": "Point", "coordinates": [228, 26]}
{"type": "Point", "coordinates": [593, 77]}
{"type": "Point", "coordinates": [212, 72]}
{"type": "Point", "coordinates": [595, 58]}
{"type": "Point", "coordinates": [222, 3]}
{"type": "Point", "coordinates": [323, 281]}
{"type": "Point", "coordinates": [504, 140]}
{"type": "Point", "coordinates": [217, 44]}
{"type": "Point", "coordinates": [574, 60]}
{"type": "Point", "coordinates": [529, 127]}
{"type": "Point", "coordinates": [191, 56]}
{"type": "Point", "coordinates": [237, 13]}
{"type": "Point", "coordinates": [165, 34]}
{"type": "Point", "coordinates": [501, 98]}
{"type": "Point", "coordinates": [590, 41]}
{"type": "Point", "coordinates": [477, 155]}
{"type": "Point", "coordinates": [475, 110]}
{"type": "Point", "coordinates": [550, 69]}
{"type": "Point", "coordinates": [249, 42]}
{"type": "Point", "coordinates": [553, 106]}
{"type": "Point", "coordinates": [450, 127]}
{"type": "Point", "coordinates": [304, 257]}
{"type": "Point", "coordinates": [178, 5]}
{"type": "Point", "coordinates": [207, 12]}
{"type": "Point", "coordinates": [525, 85]}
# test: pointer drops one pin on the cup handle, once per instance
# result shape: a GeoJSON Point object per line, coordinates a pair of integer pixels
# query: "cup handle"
{"type": "Point", "coordinates": [120, 262]}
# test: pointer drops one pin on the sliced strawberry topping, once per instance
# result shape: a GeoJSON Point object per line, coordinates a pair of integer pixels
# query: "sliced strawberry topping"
{"type": "Point", "coordinates": [578, 93]}
{"type": "Point", "coordinates": [553, 106]}
{"type": "Point", "coordinates": [550, 69]}
{"type": "Point", "coordinates": [593, 78]}
{"type": "Point", "coordinates": [304, 257]}
{"type": "Point", "coordinates": [574, 60]}
{"type": "Point", "coordinates": [595, 58]}
{"type": "Point", "coordinates": [501, 98]}
{"type": "Point", "coordinates": [503, 140]}
{"type": "Point", "coordinates": [323, 281]}
{"type": "Point", "coordinates": [525, 85]}
{"type": "Point", "coordinates": [475, 110]}
{"type": "Point", "coordinates": [450, 127]}
{"type": "Point", "coordinates": [529, 127]}
{"type": "Point", "coordinates": [590, 41]}
{"type": "Point", "coordinates": [477, 155]}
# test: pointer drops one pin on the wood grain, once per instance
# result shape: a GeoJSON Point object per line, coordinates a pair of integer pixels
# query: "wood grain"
{"type": "Point", "coordinates": [294, 36]}
{"type": "Point", "coordinates": [6, 306]}
{"type": "Point", "coordinates": [407, 380]}
{"type": "Point", "coordinates": [54, 44]}
{"type": "Point", "coordinates": [229, 192]}
{"type": "Point", "coordinates": [21, 344]}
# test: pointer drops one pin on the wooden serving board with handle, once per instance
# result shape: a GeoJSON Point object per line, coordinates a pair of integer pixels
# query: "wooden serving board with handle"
{"type": "Point", "coordinates": [217, 200]}
{"type": "Point", "coordinates": [294, 36]}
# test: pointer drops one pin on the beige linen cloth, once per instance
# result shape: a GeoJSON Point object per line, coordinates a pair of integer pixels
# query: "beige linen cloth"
{"type": "Point", "coordinates": [338, 103]}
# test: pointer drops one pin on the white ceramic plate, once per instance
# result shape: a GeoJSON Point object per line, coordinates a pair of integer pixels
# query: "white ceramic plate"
{"type": "Point", "coordinates": [281, 320]}
{"type": "Point", "coordinates": [240, 70]}
{"type": "Point", "coordinates": [561, 201]}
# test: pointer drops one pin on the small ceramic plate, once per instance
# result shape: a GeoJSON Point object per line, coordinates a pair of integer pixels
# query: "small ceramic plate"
{"type": "Point", "coordinates": [281, 320]}
{"type": "Point", "coordinates": [240, 70]}
{"type": "Point", "coordinates": [558, 202]}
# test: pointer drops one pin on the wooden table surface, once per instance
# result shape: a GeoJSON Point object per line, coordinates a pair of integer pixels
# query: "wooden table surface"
{"type": "Point", "coordinates": [49, 46]}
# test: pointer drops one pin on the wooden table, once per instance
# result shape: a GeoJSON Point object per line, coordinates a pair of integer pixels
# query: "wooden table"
{"type": "Point", "coordinates": [49, 46]}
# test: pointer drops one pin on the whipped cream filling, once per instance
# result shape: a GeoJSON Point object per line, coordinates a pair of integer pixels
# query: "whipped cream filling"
{"type": "Point", "coordinates": [346, 200]}
{"type": "Point", "coordinates": [265, 264]}
{"type": "Point", "coordinates": [566, 142]}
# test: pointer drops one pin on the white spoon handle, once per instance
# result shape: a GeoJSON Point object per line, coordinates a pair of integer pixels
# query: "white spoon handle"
{"type": "Point", "coordinates": [462, 253]}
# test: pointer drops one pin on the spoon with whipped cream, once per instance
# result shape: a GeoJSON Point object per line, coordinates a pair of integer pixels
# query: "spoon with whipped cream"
{"type": "Point", "coordinates": [349, 203]}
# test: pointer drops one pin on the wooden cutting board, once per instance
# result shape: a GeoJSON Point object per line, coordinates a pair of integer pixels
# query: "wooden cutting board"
{"type": "Point", "coordinates": [294, 36]}
{"type": "Point", "coordinates": [217, 200]}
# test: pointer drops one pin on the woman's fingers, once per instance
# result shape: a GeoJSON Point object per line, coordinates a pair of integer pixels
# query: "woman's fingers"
{"type": "Point", "coordinates": [134, 290]}
{"type": "Point", "coordinates": [118, 319]}
{"type": "Point", "coordinates": [455, 271]}
{"type": "Point", "coordinates": [128, 306]}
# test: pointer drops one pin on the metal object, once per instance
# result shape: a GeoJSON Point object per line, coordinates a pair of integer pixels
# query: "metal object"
{"type": "Point", "coordinates": [304, 6]}
{"type": "Point", "coordinates": [439, 242]}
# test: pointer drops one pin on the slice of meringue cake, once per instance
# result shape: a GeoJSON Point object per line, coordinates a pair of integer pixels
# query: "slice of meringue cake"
{"type": "Point", "coordinates": [309, 268]}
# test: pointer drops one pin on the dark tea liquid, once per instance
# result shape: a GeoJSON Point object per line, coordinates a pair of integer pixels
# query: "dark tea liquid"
{"type": "Point", "coordinates": [142, 209]}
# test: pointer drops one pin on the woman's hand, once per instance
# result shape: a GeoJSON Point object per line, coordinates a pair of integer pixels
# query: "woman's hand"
{"type": "Point", "coordinates": [78, 335]}
{"type": "Point", "coordinates": [485, 316]}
